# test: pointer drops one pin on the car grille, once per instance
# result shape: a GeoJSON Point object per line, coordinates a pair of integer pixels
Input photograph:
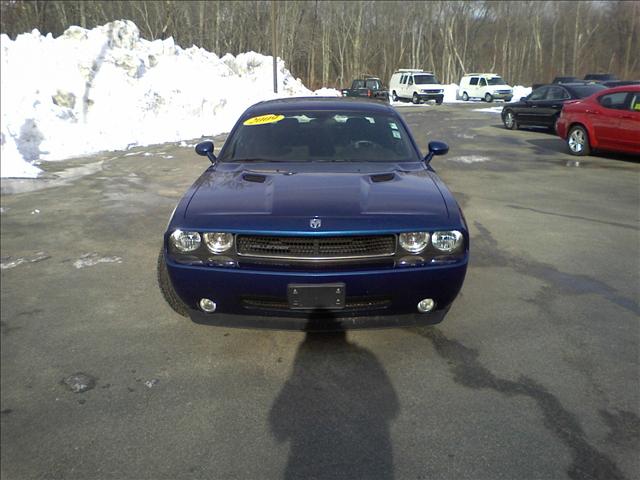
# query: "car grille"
{"type": "Point", "coordinates": [433, 91]}
{"type": "Point", "coordinates": [316, 248]}
{"type": "Point", "coordinates": [504, 91]}
{"type": "Point", "coordinates": [354, 303]}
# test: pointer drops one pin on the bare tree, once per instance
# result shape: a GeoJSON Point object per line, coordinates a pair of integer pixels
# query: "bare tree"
{"type": "Point", "coordinates": [327, 42]}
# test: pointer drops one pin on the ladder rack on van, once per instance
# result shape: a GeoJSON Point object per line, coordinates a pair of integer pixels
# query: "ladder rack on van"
{"type": "Point", "coordinates": [414, 70]}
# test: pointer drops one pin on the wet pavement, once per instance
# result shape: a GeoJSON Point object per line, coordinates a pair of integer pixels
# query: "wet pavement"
{"type": "Point", "coordinates": [533, 374]}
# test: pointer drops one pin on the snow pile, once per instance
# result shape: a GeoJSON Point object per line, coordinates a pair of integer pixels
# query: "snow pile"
{"type": "Point", "coordinates": [450, 93]}
{"type": "Point", "coordinates": [108, 89]}
{"type": "Point", "coordinates": [519, 91]}
{"type": "Point", "coordinates": [328, 92]}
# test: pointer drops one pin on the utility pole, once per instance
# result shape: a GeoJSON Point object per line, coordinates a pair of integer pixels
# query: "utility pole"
{"type": "Point", "coordinates": [273, 46]}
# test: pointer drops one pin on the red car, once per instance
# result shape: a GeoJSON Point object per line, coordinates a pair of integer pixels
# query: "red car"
{"type": "Point", "coordinates": [607, 120]}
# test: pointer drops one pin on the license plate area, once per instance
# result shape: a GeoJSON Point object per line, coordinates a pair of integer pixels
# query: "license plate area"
{"type": "Point", "coordinates": [326, 296]}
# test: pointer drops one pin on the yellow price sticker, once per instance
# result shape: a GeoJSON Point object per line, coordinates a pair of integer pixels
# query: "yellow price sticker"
{"type": "Point", "coordinates": [262, 119]}
{"type": "Point", "coordinates": [636, 107]}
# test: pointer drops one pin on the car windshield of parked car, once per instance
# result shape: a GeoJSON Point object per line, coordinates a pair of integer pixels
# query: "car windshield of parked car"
{"type": "Point", "coordinates": [496, 81]}
{"type": "Point", "coordinates": [582, 91]}
{"type": "Point", "coordinates": [425, 79]}
{"type": "Point", "coordinates": [374, 84]}
{"type": "Point", "coordinates": [320, 136]}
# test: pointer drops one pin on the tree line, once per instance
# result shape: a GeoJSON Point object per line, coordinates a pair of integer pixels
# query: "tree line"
{"type": "Point", "coordinates": [327, 43]}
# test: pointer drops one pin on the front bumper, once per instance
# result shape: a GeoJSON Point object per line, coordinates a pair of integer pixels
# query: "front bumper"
{"type": "Point", "coordinates": [502, 96]}
{"type": "Point", "coordinates": [318, 322]}
{"type": "Point", "coordinates": [393, 293]}
{"type": "Point", "coordinates": [438, 97]}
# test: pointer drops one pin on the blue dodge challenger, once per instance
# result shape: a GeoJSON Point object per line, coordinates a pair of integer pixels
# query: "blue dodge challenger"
{"type": "Point", "coordinates": [318, 213]}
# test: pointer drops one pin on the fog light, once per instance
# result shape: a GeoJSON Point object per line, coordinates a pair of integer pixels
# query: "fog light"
{"type": "Point", "coordinates": [207, 305]}
{"type": "Point", "coordinates": [426, 305]}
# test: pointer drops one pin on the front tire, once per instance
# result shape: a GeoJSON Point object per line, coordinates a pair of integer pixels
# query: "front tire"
{"type": "Point", "coordinates": [415, 99]}
{"type": "Point", "coordinates": [488, 98]}
{"type": "Point", "coordinates": [465, 97]}
{"type": "Point", "coordinates": [439, 100]}
{"type": "Point", "coordinates": [578, 141]}
{"type": "Point", "coordinates": [509, 120]}
{"type": "Point", "coordinates": [166, 288]}
{"type": "Point", "coordinates": [394, 96]}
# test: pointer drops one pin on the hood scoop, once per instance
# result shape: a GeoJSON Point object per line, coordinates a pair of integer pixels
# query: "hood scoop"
{"type": "Point", "coordinates": [254, 177]}
{"type": "Point", "coordinates": [382, 177]}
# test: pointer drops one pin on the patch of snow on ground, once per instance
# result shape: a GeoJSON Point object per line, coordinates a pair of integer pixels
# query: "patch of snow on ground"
{"type": "Point", "coordinates": [489, 109]}
{"type": "Point", "coordinates": [152, 383]}
{"type": "Point", "coordinates": [91, 259]}
{"type": "Point", "coordinates": [108, 89]}
{"type": "Point", "coordinates": [469, 159]}
{"type": "Point", "coordinates": [8, 262]}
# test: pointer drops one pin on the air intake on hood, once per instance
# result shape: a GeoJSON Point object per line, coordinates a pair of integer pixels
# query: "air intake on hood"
{"type": "Point", "coordinates": [253, 177]}
{"type": "Point", "coordinates": [382, 177]}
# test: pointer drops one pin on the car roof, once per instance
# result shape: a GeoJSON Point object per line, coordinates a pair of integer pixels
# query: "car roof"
{"type": "Point", "coordinates": [580, 83]}
{"type": "Point", "coordinates": [624, 88]}
{"type": "Point", "coordinates": [319, 103]}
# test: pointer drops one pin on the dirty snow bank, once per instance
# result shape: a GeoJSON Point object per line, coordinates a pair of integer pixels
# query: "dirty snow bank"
{"type": "Point", "coordinates": [108, 89]}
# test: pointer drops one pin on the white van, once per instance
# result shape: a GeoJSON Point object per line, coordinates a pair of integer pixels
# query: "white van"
{"type": "Point", "coordinates": [486, 86]}
{"type": "Point", "coordinates": [415, 85]}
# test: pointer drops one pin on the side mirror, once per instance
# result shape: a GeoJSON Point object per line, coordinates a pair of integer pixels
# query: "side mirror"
{"type": "Point", "coordinates": [436, 148]}
{"type": "Point", "coordinates": [206, 150]}
{"type": "Point", "coordinates": [524, 99]}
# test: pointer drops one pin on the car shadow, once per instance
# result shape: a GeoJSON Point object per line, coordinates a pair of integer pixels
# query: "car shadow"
{"type": "Point", "coordinates": [335, 411]}
{"type": "Point", "coordinates": [555, 144]}
{"type": "Point", "coordinates": [545, 146]}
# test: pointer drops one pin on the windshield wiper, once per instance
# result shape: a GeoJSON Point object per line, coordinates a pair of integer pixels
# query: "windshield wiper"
{"type": "Point", "coordinates": [255, 159]}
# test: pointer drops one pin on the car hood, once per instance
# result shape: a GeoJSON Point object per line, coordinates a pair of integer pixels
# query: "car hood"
{"type": "Point", "coordinates": [344, 196]}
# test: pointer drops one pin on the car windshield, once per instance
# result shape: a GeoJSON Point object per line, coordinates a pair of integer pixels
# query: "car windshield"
{"type": "Point", "coordinates": [582, 91]}
{"type": "Point", "coordinates": [320, 136]}
{"type": "Point", "coordinates": [425, 79]}
{"type": "Point", "coordinates": [496, 81]}
{"type": "Point", "coordinates": [374, 84]}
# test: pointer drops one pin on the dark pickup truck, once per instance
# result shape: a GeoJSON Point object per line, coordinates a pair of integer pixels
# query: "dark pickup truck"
{"type": "Point", "coordinates": [370, 87]}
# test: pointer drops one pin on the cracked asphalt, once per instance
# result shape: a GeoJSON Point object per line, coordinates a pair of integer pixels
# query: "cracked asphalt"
{"type": "Point", "coordinates": [533, 374]}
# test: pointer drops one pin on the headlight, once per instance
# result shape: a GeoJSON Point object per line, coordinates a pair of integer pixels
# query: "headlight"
{"type": "Point", "coordinates": [185, 241]}
{"type": "Point", "coordinates": [414, 242]}
{"type": "Point", "coordinates": [447, 241]}
{"type": "Point", "coordinates": [218, 242]}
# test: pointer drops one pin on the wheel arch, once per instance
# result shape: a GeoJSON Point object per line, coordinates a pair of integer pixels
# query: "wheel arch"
{"type": "Point", "coordinates": [593, 143]}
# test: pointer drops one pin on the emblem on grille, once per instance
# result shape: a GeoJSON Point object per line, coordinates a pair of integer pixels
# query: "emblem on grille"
{"type": "Point", "coordinates": [315, 223]}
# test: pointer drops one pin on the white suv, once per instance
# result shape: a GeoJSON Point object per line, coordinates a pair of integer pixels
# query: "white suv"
{"type": "Point", "coordinates": [487, 86]}
{"type": "Point", "coordinates": [416, 85]}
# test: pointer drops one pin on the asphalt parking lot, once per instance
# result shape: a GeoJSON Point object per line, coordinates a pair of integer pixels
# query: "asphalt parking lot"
{"type": "Point", "coordinates": [533, 374]}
